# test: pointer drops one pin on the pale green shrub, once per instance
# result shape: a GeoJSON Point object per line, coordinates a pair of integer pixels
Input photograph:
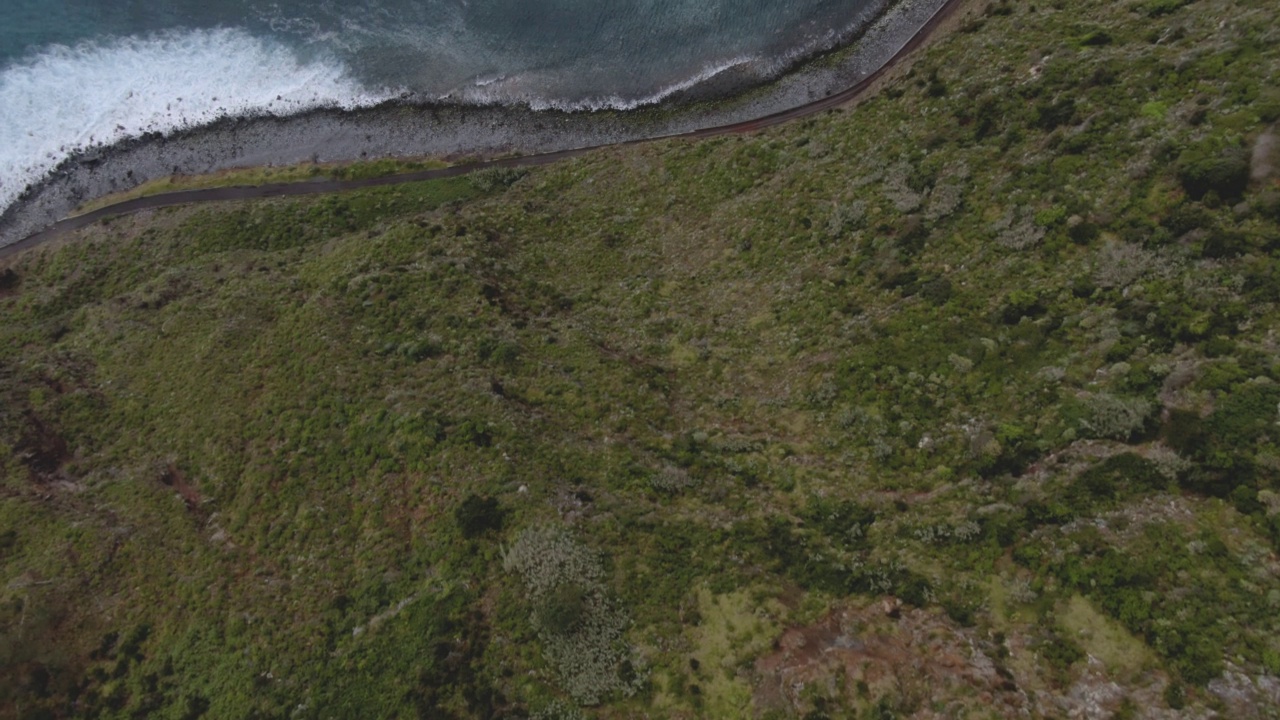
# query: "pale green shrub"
{"type": "Point", "coordinates": [1113, 417]}
{"type": "Point", "coordinates": [584, 643]}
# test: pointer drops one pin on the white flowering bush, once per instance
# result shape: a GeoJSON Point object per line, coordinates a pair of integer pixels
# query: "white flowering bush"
{"type": "Point", "coordinates": [1017, 229]}
{"type": "Point", "coordinates": [1113, 417]}
{"type": "Point", "coordinates": [671, 480]}
{"type": "Point", "coordinates": [846, 218]}
{"type": "Point", "coordinates": [897, 189]}
{"type": "Point", "coordinates": [546, 558]}
{"type": "Point", "coordinates": [944, 200]}
{"type": "Point", "coordinates": [580, 629]}
{"type": "Point", "coordinates": [558, 711]}
{"type": "Point", "coordinates": [963, 532]}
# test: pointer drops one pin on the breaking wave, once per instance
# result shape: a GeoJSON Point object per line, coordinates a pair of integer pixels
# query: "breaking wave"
{"type": "Point", "coordinates": [68, 99]}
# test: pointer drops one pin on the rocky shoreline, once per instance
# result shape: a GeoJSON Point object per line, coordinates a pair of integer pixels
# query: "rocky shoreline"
{"type": "Point", "coordinates": [406, 129]}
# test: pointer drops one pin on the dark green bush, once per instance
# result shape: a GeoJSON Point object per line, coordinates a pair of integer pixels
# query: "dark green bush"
{"type": "Point", "coordinates": [1186, 217]}
{"type": "Point", "coordinates": [1267, 204]}
{"type": "Point", "coordinates": [1050, 115]}
{"type": "Point", "coordinates": [563, 610]}
{"type": "Point", "coordinates": [1117, 478]}
{"type": "Point", "coordinates": [1157, 8]}
{"type": "Point", "coordinates": [1223, 243]}
{"type": "Point", "coordinates": [912, 589]}
{"type": "Point", "coordinates": [937, 292]}
{"type": "Point", "coordinates": [1096, 38]}
{"type": "Point", "coordinates": [1175, 695]}
{"type": "Point", "coordinates": [1084, 233]}
{"type": "Point", "coordinates": [1060, 652]}
{"type": "Point", "coordinates": [1203, 169]}
{"type": "Point", "coordinates": [478, 515]}
{"type": "Point", "coordinates": [1048, 513]}
{"type": "Point", "coordinates": [1022, 303]}
{"type": "Point", "coordinates": [1246, 415]}
{"type": "Point", "coordinates": [844, 523]}
{"type": "Point", "coordinates": [1245, 500]}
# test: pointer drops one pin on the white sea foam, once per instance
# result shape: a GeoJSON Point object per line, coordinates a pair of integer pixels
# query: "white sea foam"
{"type": "Point", "coordinates": [66, 99]}
{"type": "Point", "coordinates": [527, 89]}
{"type": "Point", "coordinates": [538, 88]}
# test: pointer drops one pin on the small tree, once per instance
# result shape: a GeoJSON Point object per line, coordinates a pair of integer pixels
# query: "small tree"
{"type": "Point", "coordinates": [1203, 169]}
{"type": "Point", "coordinates": [478, 515]}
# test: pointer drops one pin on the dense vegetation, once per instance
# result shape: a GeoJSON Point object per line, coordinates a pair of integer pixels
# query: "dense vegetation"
{"type": "Point", "coordinates": [962, 403]}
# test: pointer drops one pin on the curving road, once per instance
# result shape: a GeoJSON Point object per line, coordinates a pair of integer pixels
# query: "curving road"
{"type": "Point", "coordinates": [316, 187]}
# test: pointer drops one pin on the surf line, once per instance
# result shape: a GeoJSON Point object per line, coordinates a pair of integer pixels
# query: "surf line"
{"type": "Point", "coordinates": [323, 187]}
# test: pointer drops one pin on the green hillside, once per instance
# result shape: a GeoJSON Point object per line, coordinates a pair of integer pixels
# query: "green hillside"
{"type": "Point", "coordinates": [961, 403]}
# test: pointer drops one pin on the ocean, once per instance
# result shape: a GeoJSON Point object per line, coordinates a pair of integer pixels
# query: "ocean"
{"type": "Point", "coordinates": [76, 74]}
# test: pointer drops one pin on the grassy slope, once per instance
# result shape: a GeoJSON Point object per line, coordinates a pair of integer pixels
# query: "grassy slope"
{"type": "Point", "coordinates": [264, 176]}
{"type": "Point", "coordinates": [971, 345]}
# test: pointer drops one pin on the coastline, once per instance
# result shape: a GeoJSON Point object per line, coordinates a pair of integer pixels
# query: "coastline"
{"type": "Point", "coordinates": [404, 129]}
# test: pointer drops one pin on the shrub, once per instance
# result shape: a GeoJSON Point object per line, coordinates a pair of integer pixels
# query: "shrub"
{"type": "Point", "coordinates": [8, 279]}
{"type": "Point", "coordinates": [563, 610]}
{"type": "Point", "coordinates": [1268, 204]}
{"type": "Point", "coordinates": [1116, 478]}
{"type": "Point", "coordinates": [671, 480]}
{"type": "Point", "coordinates": [1157, 8]}
{"type": "Point", "coordinates": [1060, 652]}
{"type": "Point", "coordinates": [580, 630]}
{"type": "Point", "coordinates": [478, 515]}
{"type": "Point", "coordinates": [1022, 303]}
{"type": "Point", "coordinates": [1083, 233]}
{"type": "Point", "coordinates": [1225, 172]}
{"type": "Point", "coordinates": [1224, 243]}
{"type": "Point", "coordinates": [1115, 418]}
{"type": "Point", "coordinates": [558, 711]}
{"type": "Point", "coordinates": [1096, 38]}
{"type": "Point", "coordinates": [844, 523]}
{"type": "Point", "coordinates": [1017, 229]}
{"type": "Point", "coordinates": [1049, 115]}
{"type": "Point", "coordinates": [937, 292]}
{"type": "Point", "coordinates": [496, 178]}
{"type": "Point", "coordinates": [1185, 218]}
{"type": "Point", "coordinates": [1175, 695]}
{"type": "Point", "coordinates": [547, 558]}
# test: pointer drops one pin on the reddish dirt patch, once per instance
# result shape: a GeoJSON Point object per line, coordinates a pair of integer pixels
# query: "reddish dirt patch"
{"type": "Point", "coordinates": [915, 662]}
{"type": "Point", "coordinates": [42, 449]}
{"type": "Point", "coordinates": [172, 477]}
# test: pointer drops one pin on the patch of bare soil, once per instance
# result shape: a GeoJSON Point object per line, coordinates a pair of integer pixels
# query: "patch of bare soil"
{"type": "Point", "coordinates": [42, 449]}
{"type": "Point", "coordinates": [912, 662]}
{"type": "Point", "coordinates": [172, 477]}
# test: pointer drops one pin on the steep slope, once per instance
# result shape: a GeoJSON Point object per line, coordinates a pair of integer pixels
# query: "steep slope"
{"type": "Point", "coordinates": [960, 403]}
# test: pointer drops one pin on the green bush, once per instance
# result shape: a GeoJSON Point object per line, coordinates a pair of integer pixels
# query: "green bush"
{"type": "Point", "coordinates": [1157, 8]}
{"type": "Point", "coordinates": [1175, 695]}
{"type": "Point", "coordinates": [1203, 169]}
{"type": "Point", "coordinates": [1022, 303]}
{"type": "Point", "coordinates": [1059, 652]}
{"type": "Point", "coordinates": [1186, 217]}
{"type": "Point", "coordinates": [478, 515]}
{"type": "Point", "coordinates": [580, 629]}
{"type": "Point", "coordinates": [495, 178]}
{"type": "Point", "coordinates": [563, 610]}
{"type": "Point", "coordinates": [1117, 478]}
{"type": "Point", "coordinates": [843, 522]}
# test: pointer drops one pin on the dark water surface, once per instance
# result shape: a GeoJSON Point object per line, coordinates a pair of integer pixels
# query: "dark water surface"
{"type": "Point", "coordinates": [76, 73]}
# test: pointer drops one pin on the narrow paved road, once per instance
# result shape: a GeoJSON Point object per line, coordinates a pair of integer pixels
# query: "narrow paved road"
{"type": "Point", "coordinates": [316, 187]}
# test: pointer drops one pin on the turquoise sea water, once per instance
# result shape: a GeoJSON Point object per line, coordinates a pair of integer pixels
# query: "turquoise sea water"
{"type": "Point", "coordinates": [78, 73]}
